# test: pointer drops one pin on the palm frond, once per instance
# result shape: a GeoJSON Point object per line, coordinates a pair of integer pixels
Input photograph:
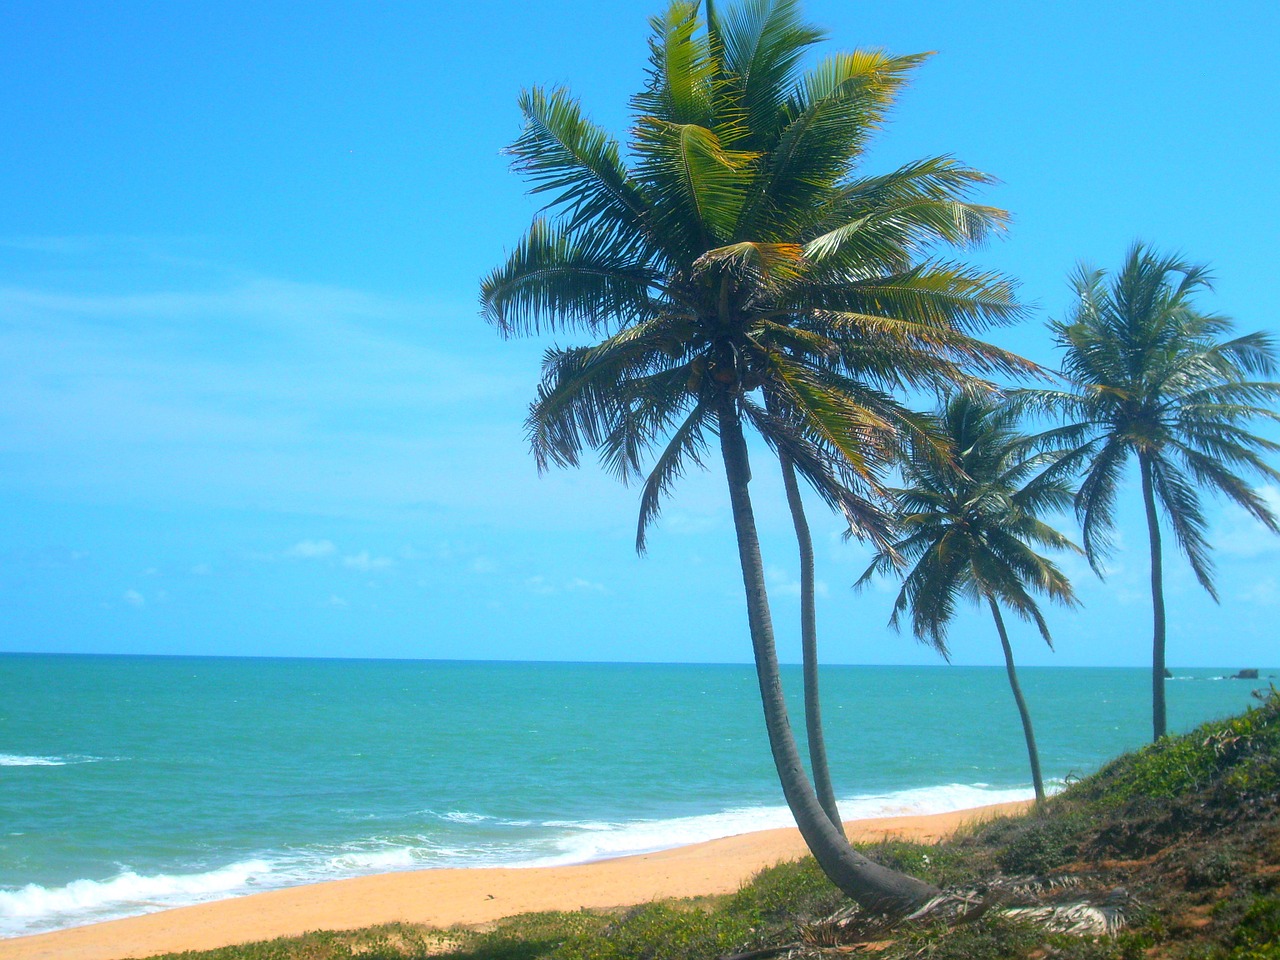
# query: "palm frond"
{"type": "Point", "coordinates": [551, 282]}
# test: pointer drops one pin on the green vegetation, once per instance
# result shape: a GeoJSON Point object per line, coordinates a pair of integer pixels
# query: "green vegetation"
{"type": "Point", "coordinates": [1179, 843]}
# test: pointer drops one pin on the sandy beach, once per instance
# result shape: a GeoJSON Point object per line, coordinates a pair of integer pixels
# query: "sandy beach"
{"type": "Point", "coordinates": [443, 898]}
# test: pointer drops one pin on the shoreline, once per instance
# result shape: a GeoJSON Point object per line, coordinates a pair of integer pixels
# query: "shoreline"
{"type": "Point", "coordinates": [465, 896]}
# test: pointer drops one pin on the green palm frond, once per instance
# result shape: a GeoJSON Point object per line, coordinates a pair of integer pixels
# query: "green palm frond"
{"type": "Point", "coordinates": [970, 521]}
{"type": "Point", "coordinates": [1151, 377]}
{"type": "Point", "coordinates": [697, 183]}
{"type": "Point", "coordinates": [763, 44]}
{"type": "Point", "coordinates": [686, 447]}
{"type": "Point", "coordinates": [830, 117]}
{"type": "Point", "coordinates": [562, 153]}
{"type": "Point", "coordinates": [550, 281]}
{"type": "Point", "coordinates": [681, 87]}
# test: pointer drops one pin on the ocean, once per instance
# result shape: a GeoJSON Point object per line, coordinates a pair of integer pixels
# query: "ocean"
{"type": "Point", "coordinates": [131, 784]}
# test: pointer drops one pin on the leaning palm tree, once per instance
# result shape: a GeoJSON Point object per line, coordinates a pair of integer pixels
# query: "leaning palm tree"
{"type": "Point", "coordinates": [970, 527]}
{"type": "Point", "coordinates": [738, 275]}
{"type": "Point", "coordinates": [1151, 378]}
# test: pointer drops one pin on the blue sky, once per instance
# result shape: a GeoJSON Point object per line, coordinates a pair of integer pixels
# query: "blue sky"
{"type": "Point", "coordinates": [249, 406]}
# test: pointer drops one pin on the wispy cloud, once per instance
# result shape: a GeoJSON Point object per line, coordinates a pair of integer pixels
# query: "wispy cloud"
{"type": "Point", "coordinates": [134, 599]}
{"type": "Point", "coordinates": [364, 561]}
{"type": "Point", "coordinates": [311, 550]}
{"type": "Point", "coordinates": [780, 582]}
{"type": "Point", "coordinates": [542, 585]}
{"type": "Point", "coordinates": [1265, 591]}
{"type": "Point", "coordinates": [217, 388]}
{"type": "Point", "coordinates": [1240, 535]}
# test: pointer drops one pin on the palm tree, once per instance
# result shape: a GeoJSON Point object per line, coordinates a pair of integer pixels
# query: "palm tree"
{"type": "Point", "coordinates": [970, 526]}
{"type": "Point", "coordinates": [1150, 377]}
{"type": "Point", "coordinates": [736, 274]}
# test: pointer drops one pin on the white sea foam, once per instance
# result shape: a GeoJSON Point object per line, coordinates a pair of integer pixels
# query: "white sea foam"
{"type": "Point", "coordinates": [34, 907]}
{"type": "Point", "coordinates": [12, 760]}
{"type": "Point", "coordinates": [17, 760]}
{"type": "Point", "coordinates": [386, 859]}
{"type": "Point", "coordinates": [462, 816]}
{"type": "Point", "coordinates": [583, 841]}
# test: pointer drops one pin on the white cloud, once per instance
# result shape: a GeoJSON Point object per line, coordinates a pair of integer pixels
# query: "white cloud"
{"type": "Point", "coordinates": [483, 565]}
{"type": "Point", "coordinates": [1240, 535]}
{"type": "Point", "coordinates": [337, 603]}
{"type": "Point", "coordinates": [134, 598]}
{"type": "Point", "coordinates": [363, 561]}
{"type": "Point", "coordinates": [220, 388]}
{"type": "Point", "coordinates": [780, 582]}
{"type": "Point", "coordinates": [1265, 591]}
{"type": "Point", "coordinates": [201, 570]}
{"type": "Point", "coordinates": [311, 549]}
{"type": "Point", "coordinates": [541, 585]}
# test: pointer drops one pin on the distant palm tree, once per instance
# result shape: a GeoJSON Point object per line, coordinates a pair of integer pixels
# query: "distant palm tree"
{"type": "Point", "coordinates": [739, 276]}
{"type": "Point", "coordinates": [1151, 377]}
{"type": "Point", "coordinates": [970, 525]}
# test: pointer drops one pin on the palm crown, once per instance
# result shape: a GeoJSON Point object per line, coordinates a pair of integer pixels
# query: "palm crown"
{"type": "Point", "coordinates": [739, 253]}
{"type": "Point", "coordinates": [1152, 377]}
{"type": "Point", "coordinates": [970, 523]}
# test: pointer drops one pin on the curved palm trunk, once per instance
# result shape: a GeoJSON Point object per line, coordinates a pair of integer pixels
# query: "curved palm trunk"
{"type": "Point", "coordinates": [874, 887]}
{"type": "Point", "coordinates": [1032, 753]}
{"type": "Point", "coordinates": [1158, 715]}
{"type": "Point", "coordinates": [809, 650]}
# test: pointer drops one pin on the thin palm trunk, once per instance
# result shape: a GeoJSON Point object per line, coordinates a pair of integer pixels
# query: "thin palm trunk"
{"type": "Point", "coordinates": [809, 650]}
{"type": "Point", "coordinates": [1158, 714]}
{"type": "Point", "coordinates": [1032, 753]}
{"type": "Point", "coordinates": [874, 887]}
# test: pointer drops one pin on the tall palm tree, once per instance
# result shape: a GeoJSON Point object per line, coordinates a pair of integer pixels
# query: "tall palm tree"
{"type": "Point", "coordinates": [737, 275]}
{"type": "Point", "coordinates": [1151, 377]}
{"type": "Point", "coordinates": [970, 527]}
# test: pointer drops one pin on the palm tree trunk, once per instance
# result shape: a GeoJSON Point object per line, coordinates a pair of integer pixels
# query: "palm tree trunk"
{"type": "Point", "coordinates": [874, 887]}
{"type": "Point", "coordinates": [809, 650]}
{"type": "Point", "coordinates": [1158, 713]}
{"type": "Point", "coordinates": [1032, 753]}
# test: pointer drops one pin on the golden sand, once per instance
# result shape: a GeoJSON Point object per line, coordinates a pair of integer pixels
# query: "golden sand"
{"type": "Point", "coordinates": [443, 898]}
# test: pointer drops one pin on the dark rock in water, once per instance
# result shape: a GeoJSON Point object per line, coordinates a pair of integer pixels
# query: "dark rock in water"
{"type": "Point", "coordinates": [1168, 674]}
{"type": "Point", "coordinates": [1246, 675]}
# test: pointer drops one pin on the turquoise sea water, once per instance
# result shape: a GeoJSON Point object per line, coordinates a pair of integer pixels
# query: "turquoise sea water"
{"type": "Point", "coordinates": [128, 784]}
